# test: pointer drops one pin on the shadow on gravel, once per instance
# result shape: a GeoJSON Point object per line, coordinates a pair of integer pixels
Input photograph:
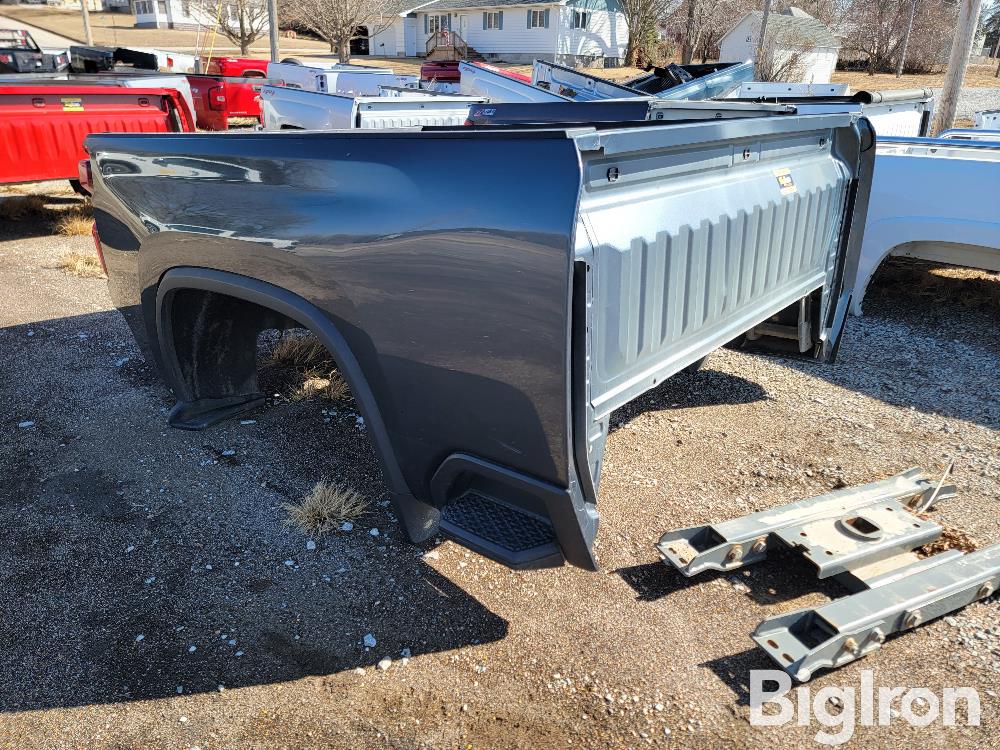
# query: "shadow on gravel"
{"type": "Point", "coordinates": [783, 577]}
{"type": "Point", "coordinates": [689, 390]}
{"type": "Point", "coordinates": [929, 339]}
{"type": "Point", "coordinates": [734, 671]}
{"type": "Point", "coordinates": [140, 562]}
{"type": "Point", "coordinates": [39, 222]}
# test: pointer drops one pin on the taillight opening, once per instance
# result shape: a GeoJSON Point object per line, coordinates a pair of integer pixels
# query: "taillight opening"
{"type": "Point", "coordinates": [86, 175]}
{"type": "Point", "coordinates": [217, 98]}
{"type": "Point", "coordinates": [99, 248]}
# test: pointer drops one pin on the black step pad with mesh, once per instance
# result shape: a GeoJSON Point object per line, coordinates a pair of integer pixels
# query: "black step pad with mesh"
{"type": "Point", "coordinates": [500, 531]}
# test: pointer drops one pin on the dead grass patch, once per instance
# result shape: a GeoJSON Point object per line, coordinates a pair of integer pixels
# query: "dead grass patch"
{"type": "Point", "coordinates": [76, 221]}
{"type": "Point", "coordinates": [20, 207]}
{"type": "Point", "coordinates": [301, 368]}
{"type": "Point", "coordinates": [299, 352]}
{"type": "Point", "coordinates": [325, 508]}
{"type": "Point", "coordinates": [84, 265]}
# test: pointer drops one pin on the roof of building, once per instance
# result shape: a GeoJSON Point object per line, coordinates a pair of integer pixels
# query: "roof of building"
{"type": "Point", "coordinates": [795, 27]}
{"type": "Point", "coordinates": [470, 4]}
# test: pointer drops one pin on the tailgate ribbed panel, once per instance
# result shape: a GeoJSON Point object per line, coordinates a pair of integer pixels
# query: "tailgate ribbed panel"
{"type": "Point", "coordinates": [379, 122]}
{"type": "Point", "coordinates": [694, 281]}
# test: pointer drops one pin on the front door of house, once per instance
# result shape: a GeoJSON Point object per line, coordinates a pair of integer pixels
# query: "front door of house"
{"type": "Point", "coordinates": [463, 27]}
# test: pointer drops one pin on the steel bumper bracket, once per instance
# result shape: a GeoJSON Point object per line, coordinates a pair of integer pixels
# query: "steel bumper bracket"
{"type": "Point", "coordinates": [866, 537]}
{"type": "Point", "coordinates": [846, 629]}
{"type": "Point", "coordinates": [836, 531]}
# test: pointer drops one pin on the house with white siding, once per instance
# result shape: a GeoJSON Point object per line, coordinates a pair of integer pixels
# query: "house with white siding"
{"type": "Point", "coordinates": [569, 32]}
{"type": "Point", "coordinates": [804, 46]}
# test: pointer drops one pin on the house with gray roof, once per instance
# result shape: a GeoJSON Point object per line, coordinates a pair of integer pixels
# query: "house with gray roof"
{"type": "Point", "coordinates": [569, 32]}
{"type": "Point", "coordinates": [792, 36]}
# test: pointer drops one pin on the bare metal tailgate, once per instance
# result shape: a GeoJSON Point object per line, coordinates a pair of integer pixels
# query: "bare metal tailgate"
{"type": "Point", "coordinates": [691, 246]}
{"type": "Point", "coordinates": [693, 239]}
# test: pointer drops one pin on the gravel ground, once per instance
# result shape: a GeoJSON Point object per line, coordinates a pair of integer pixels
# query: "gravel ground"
{"type": "Point", "coordinates": [153, 597]}
{"type": "Point", "coordinates": [973, 100]}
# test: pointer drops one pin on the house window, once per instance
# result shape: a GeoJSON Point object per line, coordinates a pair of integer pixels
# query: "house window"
{"type": "Point", "coordinates": [538, 19]}
{"type": "Point", "coordinates": [162, 7]}
{"type": "Point", "coordinates": [186, 8]}
{"type": "Point", "coordinates": [434, 24]}
{"type": "Point", "coordinates": [493, 20]}
{"type": "Point", "coordinates": [580, 19]}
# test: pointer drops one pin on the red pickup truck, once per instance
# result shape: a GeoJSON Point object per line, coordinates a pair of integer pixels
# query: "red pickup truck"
{"type": "Point", "coordinates": [224, 91]}
{"type": "Point", "coordinates": [42, 128]}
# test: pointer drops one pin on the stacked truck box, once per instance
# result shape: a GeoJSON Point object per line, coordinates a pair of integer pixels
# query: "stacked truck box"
{"type": "Point", "coordinates": [42, 128]}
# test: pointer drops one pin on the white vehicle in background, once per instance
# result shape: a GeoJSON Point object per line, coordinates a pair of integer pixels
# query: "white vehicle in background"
{"type": "Point", "coordinates": [898, 112]}
{"type": "Point", "coordinates": [335, 78]}
{"type": "Point", "coordinates": [970, 134]}
{"type": "Point", "coordinates": [988, 119]}
{"type": "Point", "coordinates": [293, 109]}
{"type": "Point", "coordinates": [933, 199]}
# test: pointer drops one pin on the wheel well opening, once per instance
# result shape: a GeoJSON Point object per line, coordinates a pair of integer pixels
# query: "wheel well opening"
{"type": "Point", "coordinates": [230, 352]}
{"type": "Point", "coordinates": [904, 282]}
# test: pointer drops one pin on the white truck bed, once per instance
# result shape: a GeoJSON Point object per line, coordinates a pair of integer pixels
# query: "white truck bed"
{"type": "Point", "coordinates": [293, 109]}
{"type": "Point", "coordinates": [933, 199]}
{"type": "Point", "coordinates": [334, 78]}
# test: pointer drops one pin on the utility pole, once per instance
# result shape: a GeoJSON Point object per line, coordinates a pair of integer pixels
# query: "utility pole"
{"type": "Point", "coordinates": [763, 31]}
{"type": "Point", "coordinates": [958, 61]}
{"type": "Point", "coordinates": [906, 39]}
{"type": "Point", "coordinates": [87, 33]}
{"type": "Point", "coordinates": [272, 20]}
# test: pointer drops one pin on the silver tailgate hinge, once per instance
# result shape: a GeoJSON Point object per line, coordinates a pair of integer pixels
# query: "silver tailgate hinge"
{"type": "Point", "coordinates": [863, 535]}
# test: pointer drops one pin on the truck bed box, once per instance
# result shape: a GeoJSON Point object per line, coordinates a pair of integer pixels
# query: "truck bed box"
{"type": "Point", "coordinates": [958, 224]}
{"type": "Point", "coordinates": [617, 110]}
{"type": "Point", "coordinates": [285, 109]}
{"type": "Point", "coordinates": [336, 78]}
{"type": "Point", "coordinates": [42, 128]}
{"type": "Point", "coordinates": [218, 98]}
{"type": "Point", "coordinates": [897, 112]}
{"type": "Point", "coordinates": [486, 338]}
{"type": "Point", "coordinates": [134, 79]}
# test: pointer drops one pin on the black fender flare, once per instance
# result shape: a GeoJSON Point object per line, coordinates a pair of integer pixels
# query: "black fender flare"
{"type": "Point", "coordinates": [419, 518]}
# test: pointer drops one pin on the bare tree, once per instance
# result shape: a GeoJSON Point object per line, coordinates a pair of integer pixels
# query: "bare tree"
{"type": "Point", "coordinates": [877, 33]}
{"type": "Point", "coordinates": [242, 22]}
{"type": "Point", "coordinates": [642, 18]}
{"type": "Point", "coordinates": [341, 21]}
{"type": "Point", "coordinates": [705, 22]}
{"type": "Point", "coordinates": [782, 56]}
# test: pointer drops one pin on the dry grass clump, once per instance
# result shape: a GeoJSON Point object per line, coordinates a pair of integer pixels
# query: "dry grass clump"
{"type": "Point", "coordinates": [302, 368]}
{"type": "Point", "coordinates": [325, 508]}
{"type": "Point", "coordinates": [84, 265]}
{"type": "Point", "coordinates": [299, 352]}
{"type": "Point", "coordinates": [76, 221]}
{"type": "Point", "coordinates": [17, 208]}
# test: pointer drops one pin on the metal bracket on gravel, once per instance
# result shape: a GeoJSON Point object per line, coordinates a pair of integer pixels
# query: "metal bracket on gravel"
{"type": "Point", "coordinates": [846, 629]}
{"type": "Point", "coordinates": [863, 535]}
{"type": "Point", "coordinates": [836, 531]}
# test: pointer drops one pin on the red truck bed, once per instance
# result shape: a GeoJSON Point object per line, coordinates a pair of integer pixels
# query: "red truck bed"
{"type": "Point", "coordinates": [42, 128]}
{"type": "Point", "coordinates": [216, 99]}
{"type": "Point", "coordinates": [236, 67]}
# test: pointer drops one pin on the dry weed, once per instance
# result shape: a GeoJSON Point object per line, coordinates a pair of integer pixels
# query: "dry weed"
{"type": "Point", "coordinates": [84, 265]}
{"type": "Point", "coordinates": [325, 508]}
{"type": "Point", "coordinates": [76, 221]}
